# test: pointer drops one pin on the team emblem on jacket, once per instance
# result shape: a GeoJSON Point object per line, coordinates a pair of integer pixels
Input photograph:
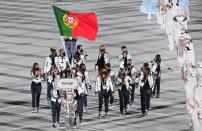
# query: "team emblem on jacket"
{"type": "Point", "coordinates": [70, 21]}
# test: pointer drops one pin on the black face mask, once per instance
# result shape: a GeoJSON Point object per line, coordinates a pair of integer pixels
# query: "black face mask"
{"type": "Point", "coordinates": [37, 69]}
{"type": "Point", "coordinates": [81, 50]}
{"type": "Point", "coordinates": [102, 50]}
{"type": "Point", "coordinates": [124, 74]}
{"type": "Point", "coordinates": [63, 54]}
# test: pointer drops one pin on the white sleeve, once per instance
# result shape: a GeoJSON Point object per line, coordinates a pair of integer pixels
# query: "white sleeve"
{"type": "Point", "coordinates": [87, 78]}
{"type": "Point", "coordinates": [153, 70]}
{"type": "Point", "coordinates": [97, 84]}
{"type": "Point", "coordinates": [164, 66]}
{"type": "Point", "coordinates": [111, 85]}
{"type": "Point", "coordinates": [106, 58]}
{"type": "Point", "coordinates": [45, 66]}
{"type": "Point", "coordinates": [140, 80]}
{"type": "Point", "coordinates": [118, 81]}
{"type": "Point", "coordinates": [120, 58]}
{"type": "Point", "coordinates": [57, 63]}
{"type": "Point", "coordinates": [134, 72]}
{"type": "Point", "coordinates": [130, 80]}
{"type": "Point", "coordinates": [32, 75]}
{"type": "Point", "coordinates": [150, 80]}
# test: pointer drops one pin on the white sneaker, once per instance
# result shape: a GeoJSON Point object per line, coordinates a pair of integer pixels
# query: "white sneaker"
{"type": "Point", "coordinates": [57, 124]}
{"type": "Point", "coordinates": [37, 110]}
{"type": "Point", "coordinates": [84, 110]}
{"type": "Point", "coordinates": [33, 110]}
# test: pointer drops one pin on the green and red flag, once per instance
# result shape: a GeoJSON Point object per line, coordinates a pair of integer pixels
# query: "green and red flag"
{"type": "Point", "coordinates": [74, 24]}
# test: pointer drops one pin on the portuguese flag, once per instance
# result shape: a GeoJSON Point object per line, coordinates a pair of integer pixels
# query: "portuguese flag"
{"type": "Point", "coordinates": [74, 24]}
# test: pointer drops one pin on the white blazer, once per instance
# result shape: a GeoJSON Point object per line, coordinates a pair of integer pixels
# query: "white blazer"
{"type": "Point", "coordinates": [108, 86]}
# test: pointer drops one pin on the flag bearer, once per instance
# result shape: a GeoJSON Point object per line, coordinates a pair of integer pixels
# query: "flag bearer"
{"type": "Point", "coordinates": [51, 60]}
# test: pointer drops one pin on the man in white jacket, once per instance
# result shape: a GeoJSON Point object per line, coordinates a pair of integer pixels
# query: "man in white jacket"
{"type": "Point", "coordinates": [124, 57]}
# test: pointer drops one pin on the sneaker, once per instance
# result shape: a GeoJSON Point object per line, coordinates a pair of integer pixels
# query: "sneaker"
{"type": "Point", "coordinates": [125, 111]}
{"type": "Point", "coordinates": [106, 115]}
{"type": "Point", "coordinates": [142, 115]}
{"type": "Point", "coordinates": [57, 124]}
{"type": "Point", "coordinates": [37, 110]}
{"type": "Point", "coordinates": [74, 127]}
{"type": "Point", "coordinates": [132, 104]}
{"type": "Point", "coordinates": [147, 112]}
{"type": "Point", "coordinates": [33, 110]}
{"type": "Point", "coordinates": [158, 96]}
{"type": "Point", "coordinates": [54, 125]}
{"type": "Point", "coordinates": [84, 110]}
{"type": "Point", "coordinates": [99, 117]}
{"type": "Point", "coordinates": [121, 114]}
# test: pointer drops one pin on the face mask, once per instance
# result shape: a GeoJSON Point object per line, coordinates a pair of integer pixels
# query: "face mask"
{"type": "Point", "coordinates": [81, 50]}
{"type": "Point", "coordinates": [101, 50]}
{"type": "Point", "coordinates": [36, 68]}
{"type": "Point", "coordinates": [63, 54]}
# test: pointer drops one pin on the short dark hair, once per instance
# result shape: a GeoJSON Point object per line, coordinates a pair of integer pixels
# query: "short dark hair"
{"type": "Point", "coordinates": [123, 47]}
{"type": "Point", "coordinates": [52, 49]}
{"type": "Point", "coordinates": [145, 65]}
{"type": "Point", "coordinates": [79, 46]}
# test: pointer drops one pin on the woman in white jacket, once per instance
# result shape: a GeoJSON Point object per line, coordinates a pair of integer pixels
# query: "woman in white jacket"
{"type": "Point", "coordinates": [36, 74]}
{"type": "Point", "coordinates": [103, 85]}
{"type": "Point", "coordinates": [124, 82]}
